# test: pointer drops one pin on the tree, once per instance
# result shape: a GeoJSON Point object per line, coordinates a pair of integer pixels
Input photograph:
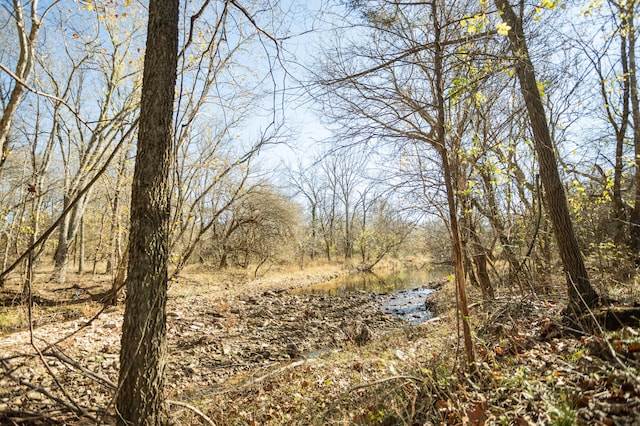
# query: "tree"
{"type": "Point", "coordinates": [306, 182]}
{"type": "Point", "coordinates": [344, 172]}
{"type": "Point", "coordinates": [140, 397]}
{"type": "Point", "coordinates": [83, 148]}
{"type": "Point", "coordinates": [27, 33]}
{"type": "Point", "coordinates": [383, 231]}
{"type": "Point", "coordinates": [581, 293]}
{"type": "Point", "coordinates": [401, 97]}
{"type": "Point", "coordinates": [259, 229]}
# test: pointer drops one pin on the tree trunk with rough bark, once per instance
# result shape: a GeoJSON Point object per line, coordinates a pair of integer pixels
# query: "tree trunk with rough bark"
{"type": "Point", "coordinates": [581, 293]}
{"type": "Point", "coordinates": [140, 399]}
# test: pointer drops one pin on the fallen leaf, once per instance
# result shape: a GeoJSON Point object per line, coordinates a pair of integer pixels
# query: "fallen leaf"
{"type": "Point", "coordinates": [477, 416]}
{"type": "Point", "coordinates": [634, 347]}
{"type": "Point", "coordinates": [441, 404]}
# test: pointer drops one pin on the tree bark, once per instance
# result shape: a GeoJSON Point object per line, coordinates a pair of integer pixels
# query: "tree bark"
{"type": "Point", "coordinates": [580, 291]}
{"type": "Point", "coordinates": [441, 147]}
{"type": "Point", "coordinates": [67, 236]}
{"type": "Point", "coordinates": [628, 19]}
{"type": "Point", "coordinates": [24, 66]}
{"type": "Point", "coordinates": [140, 398]}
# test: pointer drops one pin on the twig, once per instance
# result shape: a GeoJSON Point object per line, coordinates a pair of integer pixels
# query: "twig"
{"type": "Point", "coordinates": [82, 327]}
{"type": "Point", "coordinates": [613, 352]}
{"type": "Point", "coordinates": [24, 84]}
{"type": "Point", "coordinates": [65, 359]}
{"type": "Point", "coordinates": [194, 409]}
{"type": "Point", "coordinates": [366, 385]}
{"type": "Point", "coordinates": [39, 352]}
{"type": "Point", "coordinates": [253, 21]}
{"type": "Point", "coordinates": [280, 370]}
{"type": "Point", "coordinates": [80, 410]}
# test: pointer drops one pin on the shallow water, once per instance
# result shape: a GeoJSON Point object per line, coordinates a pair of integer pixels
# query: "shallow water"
{"type": "Point", "coordinates": [408, 305]}
{"type": "Point", "coordinates": [402, 293]}
{"type": "Point", "coordinates": [388, 282]}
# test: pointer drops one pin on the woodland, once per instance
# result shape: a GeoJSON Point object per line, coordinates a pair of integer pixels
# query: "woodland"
{"type": "Point", "coordinates": [176, 175]}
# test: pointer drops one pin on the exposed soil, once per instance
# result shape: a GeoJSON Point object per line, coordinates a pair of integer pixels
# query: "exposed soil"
{"type": "Point", "coordinates": [216, 333]}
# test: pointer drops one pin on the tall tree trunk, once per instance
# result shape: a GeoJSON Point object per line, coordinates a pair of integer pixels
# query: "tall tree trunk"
{"type": "Point", "coordinates": [628, 16]}
{"type": "Point", "coordinates": [440, 145]}
{"type": "Point", "coordinates": [67, 234]}
{"type": "Point", "coordinates": [115, 233]}
{"type": "Point", "coordinates": [140, 399]}
{"type": "Point", "coordinates": [60, 257]}
{"type": "Point", "coordinates": [80, 245]}
{"type": "Point", "coordinates": [619, 208]}
{"type": "Point", "coordinates": [479, 258]}
{"type": "Point", "coordinates": [24, 66]}
{"type": "Point", "coordinates": [579, 286]}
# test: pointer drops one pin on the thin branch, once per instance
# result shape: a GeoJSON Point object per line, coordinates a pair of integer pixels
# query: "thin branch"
{"type": "Point", "coordinates": [43, 391]}
{"type": "Point", "coordinates": [71, 205]}
{"type": "Point", "coordinates": [407, 53]}
{"type": "Point", "coordinates": [43, 94]}
{"type": "Point", "coordinates": [253, 21]}
{"type": "Point", "coordinates": [367, 385]}
{"type": "Point", "coordinates": [65, 359]}
{"type": "Point", "coordinates": [194, 409]}
{"type": "Point", "coordinates": [192, 24]}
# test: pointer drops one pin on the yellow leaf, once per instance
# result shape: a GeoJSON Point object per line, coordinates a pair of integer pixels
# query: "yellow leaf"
{"type": "Point", "coordinates": [503, 28]}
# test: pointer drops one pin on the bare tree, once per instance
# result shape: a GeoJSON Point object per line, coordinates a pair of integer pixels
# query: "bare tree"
{"type": "Point", "coordinates": [27, 31]}
{"type": "Point", "coordinates": [258, 230]}
{"type": "Point", "coordinates": [82, 149]}
{"type": "Point", "coordinates": [383, 231]}
{"type": "Point", "coordinates": [402, 96]}
{"type": "Point", "coordinates": [306, 182]}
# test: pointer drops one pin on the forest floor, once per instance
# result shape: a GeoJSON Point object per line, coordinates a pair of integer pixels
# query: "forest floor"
{"type": "Point", "coordinates": [250, 352]}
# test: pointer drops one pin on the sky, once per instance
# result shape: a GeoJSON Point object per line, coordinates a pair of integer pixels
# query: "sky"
{"type": "Point", "coordinates": [310, 30]}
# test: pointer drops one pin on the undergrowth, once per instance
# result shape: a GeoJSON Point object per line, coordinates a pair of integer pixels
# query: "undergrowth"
{"type": "Point", "coordinates": [416, 376]}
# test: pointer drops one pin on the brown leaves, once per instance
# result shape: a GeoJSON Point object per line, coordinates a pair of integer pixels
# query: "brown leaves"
{"type": "Point", "coordinates": [477, 415]}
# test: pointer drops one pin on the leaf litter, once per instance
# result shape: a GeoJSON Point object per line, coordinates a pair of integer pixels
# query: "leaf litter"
{"type": "Point", "coordinates": [256, 354]}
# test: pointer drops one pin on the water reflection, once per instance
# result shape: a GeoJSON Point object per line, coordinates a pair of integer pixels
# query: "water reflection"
{"type": "Point", "coordinates": [402, 293]}
{"type": "Point", "coordinates": [388, 282]}
{"type": "Point", "coordinates": [408, 305]}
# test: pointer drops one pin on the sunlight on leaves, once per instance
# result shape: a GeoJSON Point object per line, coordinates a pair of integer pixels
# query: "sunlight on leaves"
{"type": "Point", "coordinates": [503, 28]}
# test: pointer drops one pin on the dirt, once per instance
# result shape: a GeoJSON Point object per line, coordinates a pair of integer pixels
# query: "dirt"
{"type": "Point", "coordinates": [218, 333]}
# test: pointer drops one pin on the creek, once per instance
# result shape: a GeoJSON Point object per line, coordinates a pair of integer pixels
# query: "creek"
{"type": "Point", "coordinates": [401, 292]}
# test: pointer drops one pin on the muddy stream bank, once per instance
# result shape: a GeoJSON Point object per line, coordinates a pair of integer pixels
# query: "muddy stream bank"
{"type": "Point", "coordinates": [400, 293]}
{"type": "Point", "coordinates": [214, 340]}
